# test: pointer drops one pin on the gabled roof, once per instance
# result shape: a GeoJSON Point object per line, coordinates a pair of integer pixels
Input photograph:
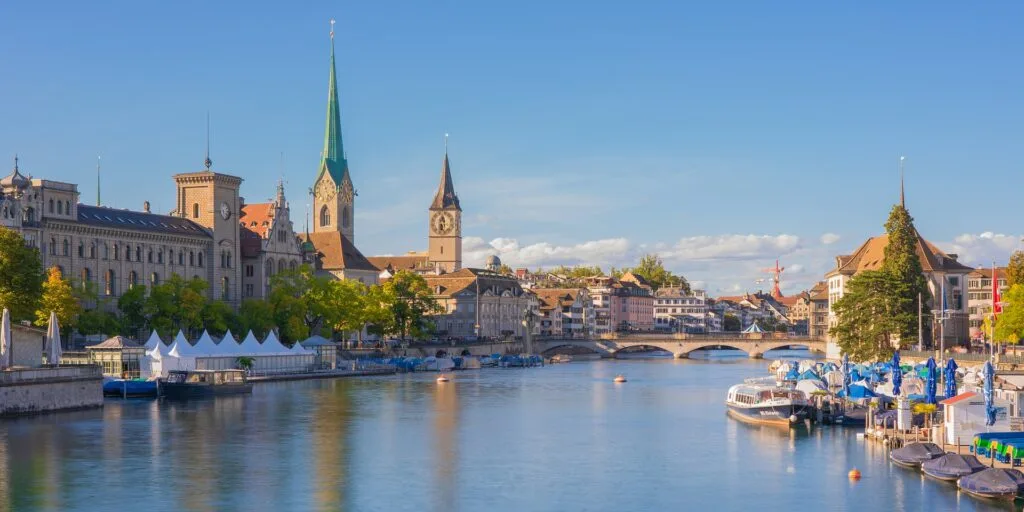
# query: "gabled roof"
{"type": "Point", "coordinates": [871, 254]}
{"type": "Point", "coordinates": [406, 262]}
{"type": "Point", "coordinates": [102, 216]}
{"type": "Point", "coordinates": [336, 252]}
{"type": "Point", "coordinates": [117, 342]}
{"type": "Point", "coordinates": [959, 398]}
{"type": "Point", "coordinates": [987, 273]}
{"type": "Point", "coordinates": [257, 217]}
{"type": "Point", "coordinates": [466, 280]}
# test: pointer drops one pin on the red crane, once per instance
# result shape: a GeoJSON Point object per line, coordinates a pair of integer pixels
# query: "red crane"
{"type": "Point", "coordinates": [776, 276]}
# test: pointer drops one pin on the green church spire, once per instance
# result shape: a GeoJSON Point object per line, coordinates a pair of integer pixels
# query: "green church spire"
{"type": "Point", "coordinates": [333, 158]}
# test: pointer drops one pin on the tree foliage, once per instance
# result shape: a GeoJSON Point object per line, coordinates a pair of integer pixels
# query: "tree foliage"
{"type": "Point", "coordinates": [21, 276]}
{"type": "Point", "coordinates": [731, 323]}
{"type": "Point", "coordinates": [868, 316]}
{"type": "Point", "coordinates": [902, 263]}
{"type": "Point", "coordinates": [57, 296]}
{"type": "Point", "coordinates": [653, 270]}
{"type": "Point", "coordinates": [410, 301]}
{"type": "Point", "coordinates": [1015, 269]}
{"type": "Point", "coordinates": [347, 309]}
{"type": "Point", "coordinates": [1010, 323]}
{"type": "Point", "coordinates": [255, 315]}
{"type": "Point", "coordinates": [132, 305]}
{"type": "Point", "coordinates": [177, 304]}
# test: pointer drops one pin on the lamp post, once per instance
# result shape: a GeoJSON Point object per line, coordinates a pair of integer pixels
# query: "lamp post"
{"type": "Point", "coordinates": [528, 318]}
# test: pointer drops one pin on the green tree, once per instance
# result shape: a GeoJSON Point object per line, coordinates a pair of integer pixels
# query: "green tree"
{"type": "Point", "coordinates": [653, 270]}
{"type": "Point", "coordinates": [347, 306]}
{"type": "Point", "coordinates": [731, 323]}
{"type": "Point", "coordinates": [505, 269]}
{"type": "Point", "coordinates": [58, 297]}
{"type": "Point", "coordinates": [216, 317]}
{"type": "Point", "coordinates": [300, 302]}
{"type": "Point", "coordinates": [1015, 269]}
{"type": "Point", "coordinates": [1010, 323]}
{"type": "Point", "coordinates": [377, 311]}
{"type": "Point", "coordinates": [177, 304]}
{"type": "Point", "coordinates": [21, 276]}
{"type": "Point", "coordinates": [256, 315]}
{"type": "Point", "coordinates": [132, 305]}
{"type": "Point", "coordinates": [96, 317]}
{"type": "Point", "coordinates": [411, 301]}
{"type": "Point", "coordinates": [868, 316]}
{"type": "Point", "coordinates": [900, 261]}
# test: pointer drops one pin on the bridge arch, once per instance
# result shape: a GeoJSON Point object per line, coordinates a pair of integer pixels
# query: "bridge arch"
{"type": "Point", "coordinates": [642, 348]}
{"type": "Point", "coordinates": [570, 349]}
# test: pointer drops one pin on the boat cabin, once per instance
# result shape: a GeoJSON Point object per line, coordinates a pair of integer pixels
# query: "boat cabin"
{"type": "Point", "coordinates": [206, 377]}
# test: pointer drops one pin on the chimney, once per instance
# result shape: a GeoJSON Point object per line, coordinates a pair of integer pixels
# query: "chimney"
{"type": "Point", "coordinates": [145, 206]}
{"type": "Point", "coordinates": [952, 256]}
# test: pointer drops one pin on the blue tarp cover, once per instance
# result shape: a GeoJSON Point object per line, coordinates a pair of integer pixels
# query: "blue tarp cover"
{"type": "Point", "coordinates": [993, 481]}
{"type": "Point", "coordinates": [857, 391]}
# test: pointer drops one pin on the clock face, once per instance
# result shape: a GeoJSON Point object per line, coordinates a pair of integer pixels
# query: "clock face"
{"type": "Point", "coordinates": [443, 223]}
{"type": "Point", "coordinates": [225, 212]}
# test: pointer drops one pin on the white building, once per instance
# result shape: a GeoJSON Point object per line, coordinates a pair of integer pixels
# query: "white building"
{"type": "Point", "coordinates": [676, 311]}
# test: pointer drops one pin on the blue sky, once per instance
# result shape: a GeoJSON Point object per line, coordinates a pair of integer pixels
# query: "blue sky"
{"type": "Point", "coordinates": [719, 134]}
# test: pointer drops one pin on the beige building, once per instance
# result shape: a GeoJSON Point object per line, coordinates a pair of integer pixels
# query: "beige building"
{"type": "Point", "coordinates": [818, 323]}
{"type": "Point", "coordinates": [268, 244]}
{"type": "Point", "coordinates": [938, 267]}
{"type": "Point", "coordinates": [979, 296]}
{"type": "Point", "coordinates": [578, 319]}
{"type": "Point", "coordinates": [477, 302]}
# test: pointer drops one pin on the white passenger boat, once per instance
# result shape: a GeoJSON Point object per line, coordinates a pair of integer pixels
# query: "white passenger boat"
{"type": "Point", "coordinates": [764, 403]}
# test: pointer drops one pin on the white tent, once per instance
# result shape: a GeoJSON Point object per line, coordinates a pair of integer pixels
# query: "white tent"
{"type": "Point", "coordinates": [250, 346]}
{"type": "Point", "coordinates": [228, 345]}
{"type": "Point", "coordinates": [205, 346]}
{"type": "Point", "coordinates": [272, 346]}
{"type": "Point", "coordinates": [153, 342]}
{"type": "Point", "coordinates": [809, 386]}
{"type": "Point", "coordinates": [297, 348]}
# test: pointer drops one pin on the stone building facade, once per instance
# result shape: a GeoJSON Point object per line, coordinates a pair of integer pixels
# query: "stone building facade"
{"type": "Point", "coordinates": [478, 302]}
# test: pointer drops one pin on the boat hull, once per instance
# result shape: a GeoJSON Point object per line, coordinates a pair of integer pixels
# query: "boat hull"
{"type": "Point", "coordinates": [768, 415]}
{"type": "Point", "coordinates": [184, 391]}
{"type": "Point", "coordinates": [131, 388]}
{"type": "Point", "coordinates": [943, 478]}
{"type": "Point", "coordinates": [1006, 496]}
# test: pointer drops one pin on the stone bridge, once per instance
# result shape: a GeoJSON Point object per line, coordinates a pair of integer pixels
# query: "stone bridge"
{"type": "Point", "coordinates": [680, 345]}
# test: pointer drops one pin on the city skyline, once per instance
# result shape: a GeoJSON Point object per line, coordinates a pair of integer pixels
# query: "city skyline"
{"type": "Point", "coordinates": [695, 162]}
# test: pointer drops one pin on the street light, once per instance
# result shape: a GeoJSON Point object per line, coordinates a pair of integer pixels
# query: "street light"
{"type": "Point", "coordinates": [528, 318]}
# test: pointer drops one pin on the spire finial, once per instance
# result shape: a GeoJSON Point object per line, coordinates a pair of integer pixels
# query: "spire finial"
{"type": "Point", "coordinates": [208, 162]}
{"type": "Point", "coordinates": [98, 203]}
{"type": "Point", "coordinates": [332, 29]}
{"type": "Point", "coordinates": [445, 143]}
{"type": "Point", "coordinates": [903, 201]}
{"type": "Point", "coordinates": [15, 162]}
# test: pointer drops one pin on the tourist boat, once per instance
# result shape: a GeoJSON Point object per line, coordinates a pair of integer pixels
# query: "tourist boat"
{"type": "Point", "coordinates": [913, 454]}
{"type": "Point", "coordinates": [130, 388]}
{"type": "Point", "coordinates": [993, 484]}
{"type": "Point", "coordinates": [561, 358]}
{"type": "Point", "coordinates": [201, 383]}
{"type": "Point", "coordinates": [757, 402]}
{"type": "Point", "coordinates": [951, 466]}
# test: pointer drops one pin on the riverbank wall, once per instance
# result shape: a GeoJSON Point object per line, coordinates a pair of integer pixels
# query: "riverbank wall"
{"type": "Point", "coordinates": [39, 390]}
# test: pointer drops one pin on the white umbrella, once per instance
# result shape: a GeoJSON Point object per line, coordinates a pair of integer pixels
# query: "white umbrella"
{"type": "Point", "coordinates": [54, 337]}
{"type": "Point", "coordinates": [5, 340]}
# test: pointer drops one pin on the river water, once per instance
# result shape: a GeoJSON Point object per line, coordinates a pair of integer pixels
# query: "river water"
{"type": "Point", "coordinates": [559, 438]}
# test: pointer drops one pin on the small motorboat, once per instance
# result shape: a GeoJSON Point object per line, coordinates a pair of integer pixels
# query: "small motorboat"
{"type": "Point", "coordinates": [767, 404]}
{"type": "Point", "coordinates": [913, 454]}
{"type": "Point", "coordinates": [951, 466]}
{"type": "Point", "coordinates": [619, 379]}
{"type": "Point", "coordinates": [561, 358]}
{"type": "Point", "coordinates": [443, 378]}
{"type": "Point", "coordinates": [993, 484]}
{"type": "Point", "coordinates": [203, 383]}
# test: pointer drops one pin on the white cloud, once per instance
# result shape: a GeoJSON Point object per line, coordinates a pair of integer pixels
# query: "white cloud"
{"type": "Point", "coordinates": [731, 247]}
{"type": "Point", "coordinates": [794, 269]}
{"type": "Point", "coordinates": [982, 249]}
{"type": "Point", "coordinates": [606, 252]}
{"type": "Point", "coordinates": [829, 238]}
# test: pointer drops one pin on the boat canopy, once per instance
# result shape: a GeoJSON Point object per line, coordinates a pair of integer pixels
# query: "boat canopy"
{"type": "Point", "coordinates": [858, 390]}
{"type": "Point", "coordinates": [994, 481]}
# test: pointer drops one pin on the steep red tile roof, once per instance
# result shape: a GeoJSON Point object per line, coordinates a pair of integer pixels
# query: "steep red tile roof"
{"type": "Point", "coordinates": [405, 262]}
{"type": "Point", "coordinates": [257, 218]}
{"type": "Point", "coordinates": [871, 254]}
{"type": "Point", "coordinates": [336, 252]}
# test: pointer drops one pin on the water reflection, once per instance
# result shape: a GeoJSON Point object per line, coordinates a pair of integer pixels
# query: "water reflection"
{"type": "Point", "coordinates": [446, 421]}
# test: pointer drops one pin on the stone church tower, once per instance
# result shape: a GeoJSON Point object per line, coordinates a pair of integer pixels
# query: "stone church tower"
{"type": "Point", "coordinates": [333, 193]}
{"type": "Point", "coordinates": [445, 215]}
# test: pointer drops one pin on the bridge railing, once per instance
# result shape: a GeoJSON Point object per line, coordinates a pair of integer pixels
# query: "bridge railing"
{"type": "Point", "coordinates": [739, 336]}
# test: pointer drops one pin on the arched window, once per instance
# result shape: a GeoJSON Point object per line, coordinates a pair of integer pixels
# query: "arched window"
{"type": "Point", "coordinates": [149, 255]}
{"type": "Point", "coordinates": [191, 259]}
{"type": "Point", "coordinates": [154, 279]}
{"type": "Point", "coordinates": [346, 219]}
{"type": "Point", "coordinates": [159, 256]}
{"type": "Point", "coordinates": [281, 266]}
{"type": "Point", "coordinates": [60, 208]}
{"type": "Point", "coordinates": [325, 216]}
{"type": "Point", "coordinates": [117, 252]}
{"type": "Point", "coordinates": [133, 279]}
{"type": "Point", "coordinates": [268, 272]}
{"type": "Point", "coordinates": [225, 289]}
{"type": "Point", "coordinates": [81, 249]}
{"type": "Point", "coordinates": [67, 207]}
{"type": "Point", "coordinates": [106, 251]}
{"type": "Point", "coordinates": [92, 250]}
{"type": "Point", "coordinates": [293, 265]}
{"type": "Point", "coordinates": [86, 278]}
{"type": "Point", "coordinates": [195, 210]}
{"type": "Point", "coordinates": [138, 254]}
{"type": "Point", "coordinates": [181, 258]}
{"type": "Point", "coordinates": [199, 257]}
{"type": "Point", "coordinates": [51, 205]}
{"type": "Point", "coordinates": [170, 256]}
{"type": "Point", "coordinates": [223, 259]}
{"type": "Point", "coordinates": [127, 253]}
{"type": "Point", "coordinates": [53, 247]}
{"type": "Point", "coordinates": [109, 286]}
{"type": "Point", "coordinates": [65, 248]}
{"type": "Point", "coordinates": [229, 260]}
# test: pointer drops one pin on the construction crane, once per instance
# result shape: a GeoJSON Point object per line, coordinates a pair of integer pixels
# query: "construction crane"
{"type": "Point", "coordinates": [776, 273]}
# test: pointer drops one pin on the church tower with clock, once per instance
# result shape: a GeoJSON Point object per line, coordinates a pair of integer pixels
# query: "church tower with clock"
{"type": "Point", "coordinates": [445, 247]}
{"type": "Point", "coordinates": [333, 193]}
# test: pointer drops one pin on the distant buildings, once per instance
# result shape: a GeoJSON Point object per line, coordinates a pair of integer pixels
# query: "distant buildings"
{"type": "Point", "coordinates": [478, 302]}
{"type": "Point", "coordinates": [818, 324]}
{"type": "Point", "coordinates": [576, 311]}
{"type": "Point", "coordinates": [677, 311]}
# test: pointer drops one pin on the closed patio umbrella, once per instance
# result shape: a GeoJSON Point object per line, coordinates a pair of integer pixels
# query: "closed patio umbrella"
{"type": "Point", "coordinates": [897, 374]}
{"type": "Point", "coordinates": [5, 340]}
{"type": "Point", "coordinates": [931, 381]}
{"type": "Point", "coordinates": [951, 378]}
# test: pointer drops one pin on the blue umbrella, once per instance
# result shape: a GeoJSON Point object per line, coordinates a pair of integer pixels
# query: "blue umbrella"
{"type": "Point", "coordinates": [932, 382]}
{"type": "Point", "coordinates": [846, 374]}
{"type": "Point", "coordinates": [990, 409]}
{"type": "Point", "coordinates": [950, 378]}
{"type": "Point", "coordinates": [897, 374]}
